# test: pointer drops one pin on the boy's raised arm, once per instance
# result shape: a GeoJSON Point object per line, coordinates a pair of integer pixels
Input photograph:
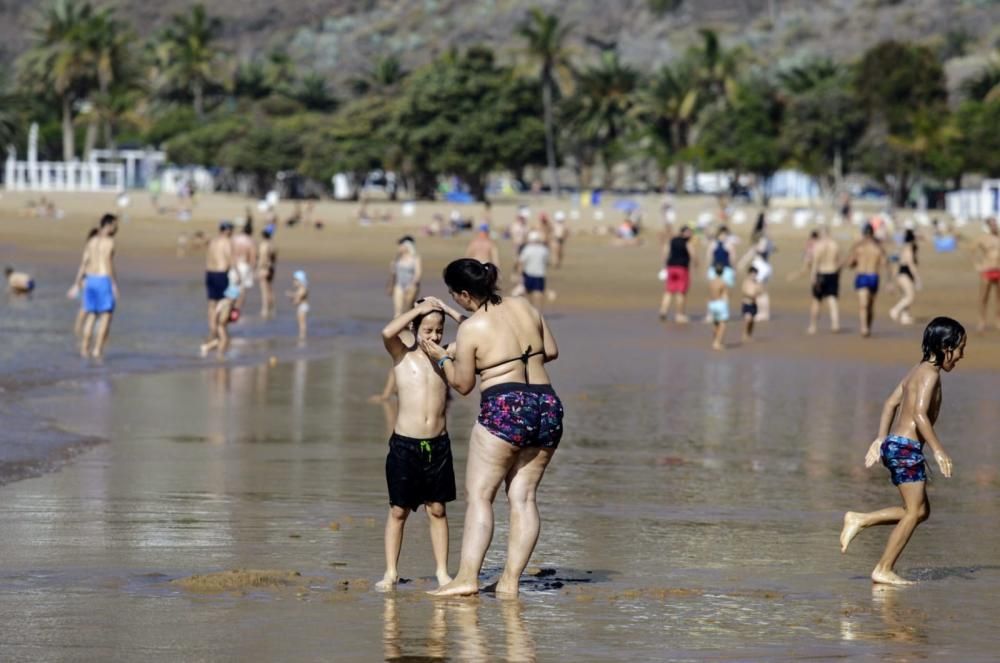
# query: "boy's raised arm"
{"type": "Point", "coordinates": [390, 333]}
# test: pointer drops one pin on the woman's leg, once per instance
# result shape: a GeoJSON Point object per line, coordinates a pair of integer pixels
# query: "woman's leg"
{"type": "Point", "coordinates": [906, 298]}
{"type": "Point", "coordinates": [397, 301]}
{"type": "Point", "coordinates": [917, 509]}
{"type": "Point", "coordinates": [410, 298]}
{"type": "Point", "coordinates": [489, 460]}
{"type": "Point", "coordinates": [522, 487]}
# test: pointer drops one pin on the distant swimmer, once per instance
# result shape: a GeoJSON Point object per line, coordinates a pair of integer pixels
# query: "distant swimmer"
{"type": "Point", "coordinates": [244, 259]}
{"type": "Point", "coordinates": [482, 247]}
{"type": "Point", "coordinates": [750, 292]}
{"type": "Point", "coordinates": [987, 263]}
{"type": "Point", "coordinates": [299, 294]}
{"type": "Point", "coordinates": [218, 263]}
{"type": "Point", "coordinates": [419, 469]}
{"type": "Point", "coordinates": [18, 283]}
{"type": "Point", "coordinates": [225, 313]}
{"type": "Point", "coordinates": [405, 272]}
{"type": "Point", "coordinates": [533, 264]}
{"type": "Point", "coordinates": [98, 283]}
{"type": "Point", "coordinates": [718, 304]}
{"type": "Point", "coordinates": [680, 259]}
{"type": "Point", "coordinates": [822, 261]}
{"type": "Point", "coordinates": [907, 278]}
{"type": "Point", "coordinates": [868, 258]}
{"type": "Point", "coordinates": [914, 406]}
{"type": "Point", "coordinates": [267, 258]}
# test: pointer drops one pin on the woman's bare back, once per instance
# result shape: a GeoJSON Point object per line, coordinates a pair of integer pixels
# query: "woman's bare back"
{"type": "Point", "coordinates": [503, 334]}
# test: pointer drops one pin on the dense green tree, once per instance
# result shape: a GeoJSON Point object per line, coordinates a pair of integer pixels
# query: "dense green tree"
{"type": "Point", "coordinates": [823, 120]}
{"type": "Point", "coordinates": [313, 93]}
{"type": "Point", "coordinates": [385, 77]}
{"type": "Point", "coordinates": [545, 43]}
{"type": "Point", "coordinates": [190, 58]}
{"type": "Point", "coordinates": [666, 111]}
{"type": "Point", "coordinates": [902, 89]}
{"type": "Point", "coordinates": [745, 136]}
{"type": "Point", "coordinates": [598, 115]}
{"type": "Point", "coordinates": [467, 116]}
{"type": "Point", "coordinates": [57, 63]}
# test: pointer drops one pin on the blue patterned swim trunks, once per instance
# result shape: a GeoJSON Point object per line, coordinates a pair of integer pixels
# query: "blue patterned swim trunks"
{"type": "Point", "coordinates": [904, 458]}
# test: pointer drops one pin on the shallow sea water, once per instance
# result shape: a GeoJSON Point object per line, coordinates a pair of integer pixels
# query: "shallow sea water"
{"type": "Point", "coordinates": [692, 512]}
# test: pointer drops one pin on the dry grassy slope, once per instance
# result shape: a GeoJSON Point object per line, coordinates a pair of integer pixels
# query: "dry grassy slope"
{"type": "Point", "coordinates": [342, 37]}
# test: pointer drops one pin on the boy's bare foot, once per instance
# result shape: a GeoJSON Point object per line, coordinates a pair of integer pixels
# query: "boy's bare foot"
{"type": "Point", "coordinates": [889, 578]}
{"type": "Point", "coordinates": [811, 330]}
{"type": "Point", "coordinates": [443, 578]}
{"type": "Point", "coordinates": [681, 319]}
{"type": "Point", "coordinates": [852, 525]}
{"type": "Point", "coordinates": [457, 588]}
{"type": "Point", "coordinates": [894, 315]}
{"type": "Point", "coordinates": [718, 346]}
{"type": "Point", "coordinates": [387, 583]}
{"type": "Point", "coordinates": [663, 317]}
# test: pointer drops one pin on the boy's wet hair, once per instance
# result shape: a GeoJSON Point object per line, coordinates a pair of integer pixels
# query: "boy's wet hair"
{"type": "Point", "coordinates": [940, 335]}
{"type": "Point", "coordinates": [420, 318]}
{"type": "Point", "coordinates": [868, 230]}
{"type": "Point", "coordinates": [107, 220]}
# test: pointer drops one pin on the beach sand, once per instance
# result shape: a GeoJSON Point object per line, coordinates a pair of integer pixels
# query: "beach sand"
{"type": "Point", "coordinates": [234, 511]}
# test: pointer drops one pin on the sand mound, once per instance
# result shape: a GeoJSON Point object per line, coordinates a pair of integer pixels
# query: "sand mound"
{"type": "Point", "coordinates": [240, 580]}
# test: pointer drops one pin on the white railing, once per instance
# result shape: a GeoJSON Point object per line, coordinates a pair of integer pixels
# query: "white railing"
{"type": "Point", "coordinates": [63, 176]}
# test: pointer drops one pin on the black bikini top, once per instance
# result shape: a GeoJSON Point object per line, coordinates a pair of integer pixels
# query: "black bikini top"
{"type": "Point", "coordinates": [523, 358]}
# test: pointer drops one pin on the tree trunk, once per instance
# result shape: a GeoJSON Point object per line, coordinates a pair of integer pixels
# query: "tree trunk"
{"type": "Point", "coordinates": [90, 140]}
{"type": "Point", "coordinates": [199, 101]}
{"type": "Point", "coordinates": [477, 187]}
{"type": "Point", "coordinates": [550, 146]}
{"type": "Point", "coordinates": [69, 149]}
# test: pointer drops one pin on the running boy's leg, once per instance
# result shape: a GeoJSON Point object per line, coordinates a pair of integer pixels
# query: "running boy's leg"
{"type": "Point", "coordinates": [917, 509]}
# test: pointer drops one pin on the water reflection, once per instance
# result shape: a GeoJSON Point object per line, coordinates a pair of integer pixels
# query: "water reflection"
{"type": "Point", "coordinates": [422, 633]}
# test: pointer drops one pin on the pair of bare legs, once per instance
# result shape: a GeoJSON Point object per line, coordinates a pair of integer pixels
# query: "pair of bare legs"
{"type": "Point", "coordinates": [97, 325]}
{"type": "Point", "coordinates": [914, 511]}
{"type": "Point", "coordinates": [718, 335]}
{"type": "Point", "coordinates": [866, 310]}
{"type": "Point", "coordinates": [403, 299]}
{"type": "Point", "coordinates": [814, 310]}
{"type": "Point", "coordinates": [901, 311]}
{"type": "Point", "coordinates": [984, 300]}
{"type": "Point", "coordinates": [668, 297]}
{"type": "Point", "coordinates": [301, 317]}
{"type": "Point", "coordinates": [218, 331]}
{"type": "Point", "coordinates": [266, 298]}
{"type": "Point", "coordinates": [748, 321]}
{"type": "Point", "coordinates": [493, 461]}
{"type": "Point", "coordinates": [437, 517]}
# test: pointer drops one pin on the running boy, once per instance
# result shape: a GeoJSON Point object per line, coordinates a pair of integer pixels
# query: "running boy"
{"type": "Point", "coordinates": [300, 297]}
{"type": "Point", "coordinates": [418, 468]}
{"type": "Point", "coordinates": [751, 290]}
{"type": "Point", "coordinates": [718, 304]}
{"type": "Point", "coordinates": [225, 313]}
{"type": "Point", "coordinates": [917, 401]}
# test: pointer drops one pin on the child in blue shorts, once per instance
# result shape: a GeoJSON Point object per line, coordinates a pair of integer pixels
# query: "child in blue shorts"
{"type": "Point", "coordinates": [917, 402]}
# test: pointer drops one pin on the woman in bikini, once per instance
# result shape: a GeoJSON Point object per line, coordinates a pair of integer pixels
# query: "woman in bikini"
{"type": "Point", "coordinates": [507, 343]}
{"type": "Point", "coordinates": [908, 280]}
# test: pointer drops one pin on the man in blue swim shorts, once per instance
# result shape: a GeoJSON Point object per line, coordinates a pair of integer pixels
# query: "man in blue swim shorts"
{"type": "Point", "coordinates": [868, 258]}
{"type": "Point", "coordinates": [96, 278]}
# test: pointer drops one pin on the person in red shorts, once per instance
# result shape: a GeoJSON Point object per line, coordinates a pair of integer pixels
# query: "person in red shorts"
{"type": "Point", "coordinates": [679, 262]}
{"type": "Point", "coordinates": [987, 261]}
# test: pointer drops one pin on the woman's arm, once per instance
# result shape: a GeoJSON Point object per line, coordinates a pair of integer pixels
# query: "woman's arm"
{"type": "Point", "coordinates": [460, 369]}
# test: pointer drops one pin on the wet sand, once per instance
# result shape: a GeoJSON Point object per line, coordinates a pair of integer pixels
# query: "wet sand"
{"type": "Point", "coordinates": [692, 511]}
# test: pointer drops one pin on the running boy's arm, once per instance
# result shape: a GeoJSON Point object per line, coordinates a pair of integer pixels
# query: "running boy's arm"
{"type": "Point", "coordinates": [926, 388]}
{"type": "Point", "coordinates": [888, 414]}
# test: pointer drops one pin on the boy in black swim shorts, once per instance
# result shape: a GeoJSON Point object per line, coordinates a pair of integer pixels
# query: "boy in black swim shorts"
{"type": "Point", "coordinates": [418, 469]}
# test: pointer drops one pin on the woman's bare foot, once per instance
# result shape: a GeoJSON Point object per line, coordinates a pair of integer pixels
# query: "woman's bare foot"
{"type": "Point", "coordinates": [889, 578]}
{"type": "Point", "coordinates": [443, 578]}
{"type": "Point", "coordinates": [457, 588]}
{"type": "Point", "coordinates": [681, 319]}
{"type": "Point", "coordinates": [387, 583]}
{"type": "Point", "coordinates": [718, 346]}
{"type": "Point", "coordinates": [852, 525]}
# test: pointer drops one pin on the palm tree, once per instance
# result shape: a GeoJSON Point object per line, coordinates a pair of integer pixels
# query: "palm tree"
{"type": "Point", "coordinates": [57, 63]}
{"type": "Point", "coordinates": [191, 59]}
{"type": "Point", "coordinates": [599, 112]}
{"type": "Point", "coordinates": [384, 77]}
{"type": "Point", "coordinates": [313, 93]}
{"type": "Point", "coordinates": [666, 107]}
{"type": "Point", "coordinates": [546, 45]}
{"type": "Point", "coordinates": [107, 52]}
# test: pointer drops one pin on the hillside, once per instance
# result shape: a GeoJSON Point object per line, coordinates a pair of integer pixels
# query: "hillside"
{"type": "Point", "coordinates": [341, 38]}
